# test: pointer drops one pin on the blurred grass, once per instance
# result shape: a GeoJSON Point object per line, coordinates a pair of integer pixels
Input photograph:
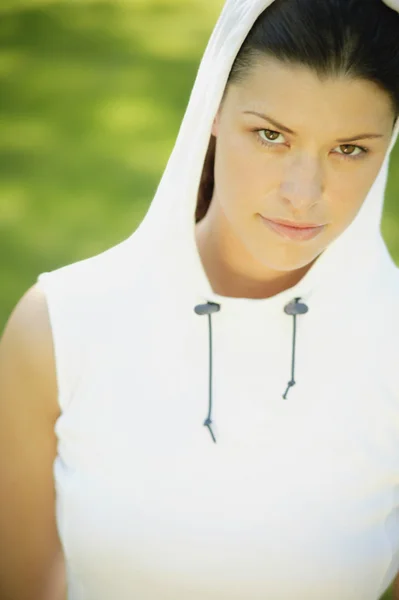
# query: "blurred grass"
{"type": "Point", "coordinates": [91, 98]}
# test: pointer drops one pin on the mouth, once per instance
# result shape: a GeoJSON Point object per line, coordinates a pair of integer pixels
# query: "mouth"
{"type": "Point", "coordinates": [294, 231]}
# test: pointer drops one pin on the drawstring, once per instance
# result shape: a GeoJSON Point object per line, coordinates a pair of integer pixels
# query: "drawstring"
{"type": "Point", "coordinates": [293, 308]}
{"type": "Point", "coordinates": [209, 309]}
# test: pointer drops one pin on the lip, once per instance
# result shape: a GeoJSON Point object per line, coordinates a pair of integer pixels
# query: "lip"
{"type": "Point", "coordinates": [294, 225]}
{"type": "Point", "coordinates": [299, 233]}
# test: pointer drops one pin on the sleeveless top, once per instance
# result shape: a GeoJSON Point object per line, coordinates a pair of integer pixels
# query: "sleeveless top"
{"type": "Point", "coordinates": [213, 447]}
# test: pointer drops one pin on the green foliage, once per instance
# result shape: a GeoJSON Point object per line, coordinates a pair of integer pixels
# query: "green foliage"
{"type": "Point", "coordinates": [91, 100]}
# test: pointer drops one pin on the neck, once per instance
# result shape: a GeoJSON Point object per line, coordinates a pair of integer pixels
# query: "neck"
{"type": "Point", "coordinates": [232, 271]}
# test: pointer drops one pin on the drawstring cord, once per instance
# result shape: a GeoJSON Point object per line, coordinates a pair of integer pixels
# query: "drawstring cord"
{"type": "Point", "coordinates": [293, 309]}
{"type": "Point", "coordinates": [209, 309]}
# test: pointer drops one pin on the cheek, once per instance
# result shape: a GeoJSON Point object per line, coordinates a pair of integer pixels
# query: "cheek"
{"type": "Point", "coordinates": [244, 173]}
{"type": "Point", "coordinates": [347, 192]}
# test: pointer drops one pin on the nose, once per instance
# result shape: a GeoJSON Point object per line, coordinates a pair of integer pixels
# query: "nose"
{"type": "Point", "coordinates": [302, 183]}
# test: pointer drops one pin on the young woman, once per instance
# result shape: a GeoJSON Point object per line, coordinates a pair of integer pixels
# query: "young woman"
{"type": "Point", "coordinates": [210, 409]}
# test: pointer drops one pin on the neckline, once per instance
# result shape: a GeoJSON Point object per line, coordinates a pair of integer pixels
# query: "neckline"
{"type": "Point", "coordinates": [302, 289]}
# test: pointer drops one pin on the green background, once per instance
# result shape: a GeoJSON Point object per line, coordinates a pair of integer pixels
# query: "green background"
{"type": "Point", "coordinates": [91, 98]}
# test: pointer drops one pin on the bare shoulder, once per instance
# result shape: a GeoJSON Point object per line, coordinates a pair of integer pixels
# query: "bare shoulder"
{"type": "Point", "coordinates": [27, 344]}
{"type": "Point", "coordinates": [32, 567]}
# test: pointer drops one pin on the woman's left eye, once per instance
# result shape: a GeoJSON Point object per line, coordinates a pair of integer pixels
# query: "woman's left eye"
{"type": "Point", "coordinates": [351, 149]}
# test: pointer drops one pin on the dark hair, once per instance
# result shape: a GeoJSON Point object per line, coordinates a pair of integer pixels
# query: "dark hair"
{"type": "Point", "coordinates": [357, 38]}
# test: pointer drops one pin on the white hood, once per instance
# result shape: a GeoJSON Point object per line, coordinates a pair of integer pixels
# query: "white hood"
{"type": "Point", "coordinates": [168, 227]}
{"type": "Point", "coordinates": [354, 278]}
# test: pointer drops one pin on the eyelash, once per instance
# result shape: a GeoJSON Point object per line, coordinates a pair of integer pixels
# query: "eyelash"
{"type": "Point", "coordinates": [344, 156]}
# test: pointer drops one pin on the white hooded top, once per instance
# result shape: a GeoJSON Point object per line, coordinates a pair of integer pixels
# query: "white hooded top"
{"type": "Point", "coordinates": [298, 498]}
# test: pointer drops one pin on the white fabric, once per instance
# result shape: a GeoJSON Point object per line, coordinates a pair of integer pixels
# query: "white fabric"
{"type": "Point", "coordinates": [394, 4]}
{"type": "Point", "coordinates": [299, 498]}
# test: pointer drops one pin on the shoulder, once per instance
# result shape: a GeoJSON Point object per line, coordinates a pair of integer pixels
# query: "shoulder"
{"type": "Point", "coordinates": [92, 279]}
{"type": "Point", "coordinates": [26, 348]}
{"type": "Point", "coordinates": [28, 413]}
{"type": "Point", "coordinates": [84, 304]}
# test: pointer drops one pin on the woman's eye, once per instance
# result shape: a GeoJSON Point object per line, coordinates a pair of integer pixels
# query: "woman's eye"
{"type": "Point", "coordinates": [270, 136]}
{"type": "Point", "coordinates": [351, 150]}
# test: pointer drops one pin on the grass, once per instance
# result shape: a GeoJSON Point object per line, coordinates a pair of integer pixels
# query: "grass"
{"type": "Point", "coordinates": [91, 99]}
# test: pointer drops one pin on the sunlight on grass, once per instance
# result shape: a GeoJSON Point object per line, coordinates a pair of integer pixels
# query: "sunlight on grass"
{"type": "Point", "coordinates": [10, 62]}
{"type": "Point", "coordinates": [25, 132]}
{"type": "Point", "coordinates": [13, 203]}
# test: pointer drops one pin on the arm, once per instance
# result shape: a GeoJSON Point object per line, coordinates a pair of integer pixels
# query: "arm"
{"type": "Point", "coordinates": [31, 560]}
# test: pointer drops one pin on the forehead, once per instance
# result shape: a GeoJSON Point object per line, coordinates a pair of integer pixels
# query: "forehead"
{"type": "Point", "coordinates": [295, 95]}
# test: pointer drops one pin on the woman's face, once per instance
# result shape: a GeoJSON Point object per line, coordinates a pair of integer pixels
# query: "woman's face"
{"type": "Point", "coordinates": [305, 175]}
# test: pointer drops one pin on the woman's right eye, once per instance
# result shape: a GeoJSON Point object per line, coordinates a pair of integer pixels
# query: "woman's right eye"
{"type": "Point", "coordinates": [269, 136]}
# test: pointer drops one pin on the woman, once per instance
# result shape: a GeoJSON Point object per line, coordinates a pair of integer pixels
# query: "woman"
{"type": "Point", "coordinates": [291, 490]}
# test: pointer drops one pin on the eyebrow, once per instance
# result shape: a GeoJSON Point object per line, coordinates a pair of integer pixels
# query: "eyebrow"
{"type": "Point", "coordinates": [362, 136]}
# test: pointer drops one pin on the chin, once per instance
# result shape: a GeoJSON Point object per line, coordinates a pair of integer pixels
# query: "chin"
{"type": "Point", "coordinates": [287, 266]}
